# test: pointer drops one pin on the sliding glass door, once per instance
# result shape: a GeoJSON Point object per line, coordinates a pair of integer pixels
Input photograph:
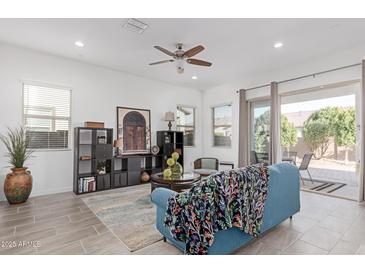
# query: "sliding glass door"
{"type": "Point", "coordinates": [320, 133]}
{"type": "Point", "coordinates": [260, 131]}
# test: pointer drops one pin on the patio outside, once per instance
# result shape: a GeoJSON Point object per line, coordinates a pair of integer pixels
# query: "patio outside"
{"type": "Point", "coordinates": [329, 171]}
{"type": "Point", "coordinates": [325, 128]}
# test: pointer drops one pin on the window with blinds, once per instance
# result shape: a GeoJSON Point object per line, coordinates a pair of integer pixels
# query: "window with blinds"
{"type": "Point", "coordinates": [47, 116]}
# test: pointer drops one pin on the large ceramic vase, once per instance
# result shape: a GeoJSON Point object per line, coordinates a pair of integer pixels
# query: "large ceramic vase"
{"type": "Point", "coordinates": [18, 185]}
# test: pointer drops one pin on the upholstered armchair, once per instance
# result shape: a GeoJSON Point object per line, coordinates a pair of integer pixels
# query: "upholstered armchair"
{"type": "Point", "coordinates": [206, 166]}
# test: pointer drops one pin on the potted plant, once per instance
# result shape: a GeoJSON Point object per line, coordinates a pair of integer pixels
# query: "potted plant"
{"type": "Point", "coordinates": [18, 183]}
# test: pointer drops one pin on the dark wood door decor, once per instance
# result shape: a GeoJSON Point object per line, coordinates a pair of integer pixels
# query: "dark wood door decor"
{"type": "Point", "coordinates": [134, 129]}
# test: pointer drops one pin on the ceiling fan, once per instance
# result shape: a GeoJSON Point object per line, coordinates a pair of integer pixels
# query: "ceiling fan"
{"type": "Point", "coordinates": [180, 57]}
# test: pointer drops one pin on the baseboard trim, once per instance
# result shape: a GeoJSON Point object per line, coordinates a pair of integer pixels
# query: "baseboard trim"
{"type": "Point", "coordinates": [44, 192]}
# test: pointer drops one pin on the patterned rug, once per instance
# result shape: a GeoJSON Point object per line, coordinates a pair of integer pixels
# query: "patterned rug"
{"type": "Point", "coordinates": [128, 213]}
{"type": "Point", "coordinates": [325, 187]}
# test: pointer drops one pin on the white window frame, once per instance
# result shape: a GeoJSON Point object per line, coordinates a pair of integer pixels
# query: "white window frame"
{"type": "Point", "coordinates": [230, 104]}
{"type": "Point", "coordinates": [24, 116]}
{"type": "Point", "coordinates": [194, 122]}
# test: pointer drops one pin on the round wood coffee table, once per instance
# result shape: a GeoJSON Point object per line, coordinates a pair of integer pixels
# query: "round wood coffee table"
{"type": "Point", "coordinates": [178, 184]}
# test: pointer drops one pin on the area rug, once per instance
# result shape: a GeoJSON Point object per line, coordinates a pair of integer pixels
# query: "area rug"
{"type": "Point", "coordinates": [325, 187]}
{"type": "Point", "coordinates": [128, 213]}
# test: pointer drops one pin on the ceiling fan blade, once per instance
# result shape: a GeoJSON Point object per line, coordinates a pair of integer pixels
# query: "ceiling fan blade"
{"type": "Point", "coordinates": [165, 51]}
{"type": "Point", "coordinates": [161, 62]}
{"type": "Point", "coordinates": [199, 62]}
{"type": "Point", "coordinates": [193, 51]}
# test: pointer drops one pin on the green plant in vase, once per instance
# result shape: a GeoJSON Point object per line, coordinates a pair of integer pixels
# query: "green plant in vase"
{"type": "Point", "coordinates": [167, 173]}
{"type": "Point", "coordinates": [174, 170]}
{"type": "Point", "coordinates": [18, 184]}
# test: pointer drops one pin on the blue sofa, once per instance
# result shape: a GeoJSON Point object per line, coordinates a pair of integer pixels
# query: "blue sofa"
{"type": "Point", "coordinates": [283, 201]}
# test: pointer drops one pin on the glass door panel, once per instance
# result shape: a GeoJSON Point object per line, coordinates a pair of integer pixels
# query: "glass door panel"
{"type": "Point", "coordinates": [323, 123]}
{"type": "Point", "coordinates": [260, 132]}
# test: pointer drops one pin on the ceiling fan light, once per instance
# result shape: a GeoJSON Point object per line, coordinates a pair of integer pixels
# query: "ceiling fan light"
{"type": "Point", "coordinates": [180, 65]}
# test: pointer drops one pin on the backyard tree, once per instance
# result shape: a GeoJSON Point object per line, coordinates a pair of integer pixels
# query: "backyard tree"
{"type": "Point", "coordinates": [328, 122]}
{"type": "Point", "coordinates": [261, 131]}
{"type": "Point", "coordinates": [316, 134]}
{"type": "Point", "coordinates": [288, 132]}
{"type": "Point", "coordinates": [345, 130]}
{"type": "Point", "coordinates": [327, 116]}
{"type": "Point", "coordinates": [318, 129]}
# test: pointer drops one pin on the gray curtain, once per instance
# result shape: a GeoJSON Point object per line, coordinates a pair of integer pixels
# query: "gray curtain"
{"type": "Point", "coordinates": [243, 131]}
{"type": "Point", "coordinates": [362, 137]}
{"type": "Point", "coordinates": [274, 125]}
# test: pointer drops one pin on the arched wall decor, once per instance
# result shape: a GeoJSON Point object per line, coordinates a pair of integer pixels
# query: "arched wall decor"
{"type": "Point", "coordinates": [134, 129]}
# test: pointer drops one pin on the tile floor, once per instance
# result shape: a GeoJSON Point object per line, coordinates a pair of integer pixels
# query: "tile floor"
{"type": "Point", "coordinates": [63, 224]}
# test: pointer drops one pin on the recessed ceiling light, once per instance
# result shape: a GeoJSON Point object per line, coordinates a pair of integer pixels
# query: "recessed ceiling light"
{"type": "Point", "coordinates": [278, 45]}
{"type": "Point", "coordinates": [194, 77]}
{"type": "Point", "coordinates": [79, 44]}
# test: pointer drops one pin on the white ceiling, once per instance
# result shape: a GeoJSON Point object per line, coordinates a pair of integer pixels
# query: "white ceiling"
{"type": "Point", "coordinates": [236, 47]}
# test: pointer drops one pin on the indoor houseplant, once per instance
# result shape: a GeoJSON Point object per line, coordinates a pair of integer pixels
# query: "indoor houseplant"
{"type": "Point", "coordinates": [18, 183]}
{"type": "Point", "coordinates": [174, 169]}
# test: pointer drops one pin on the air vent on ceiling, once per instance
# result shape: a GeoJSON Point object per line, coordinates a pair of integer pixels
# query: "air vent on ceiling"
{"type": "Point", "coordinates": [135, 25]}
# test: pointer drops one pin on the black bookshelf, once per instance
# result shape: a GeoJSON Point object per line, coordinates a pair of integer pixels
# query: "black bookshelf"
{"type": "Point", "coordinates": [169, 142]}
{"type": "Point", "coordinates": [93, 159]}
{"type": "Point", "coordinates": [102, 170]}
{"type": "Point", "coordinates": [128, 168]}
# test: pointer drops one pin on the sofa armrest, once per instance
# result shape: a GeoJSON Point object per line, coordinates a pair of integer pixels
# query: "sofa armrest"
{"type": "Point", "coordinates": [160, 196]}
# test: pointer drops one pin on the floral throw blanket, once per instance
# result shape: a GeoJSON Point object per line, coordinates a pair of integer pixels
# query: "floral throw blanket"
{"type": "Point", "coordinates": [233, 198]}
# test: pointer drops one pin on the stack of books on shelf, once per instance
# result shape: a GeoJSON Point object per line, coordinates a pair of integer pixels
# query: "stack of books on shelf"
{"type": "Point", "coordinates": [87, 184]}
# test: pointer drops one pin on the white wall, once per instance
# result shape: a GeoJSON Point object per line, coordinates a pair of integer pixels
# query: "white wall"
{"type": "Point", "coordinates": [97, 92]}
{"type": "Point", "coordinates": [227, 92]}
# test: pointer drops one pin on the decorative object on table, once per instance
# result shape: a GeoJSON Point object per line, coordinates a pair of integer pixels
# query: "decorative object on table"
{"type": "Point", "coordinates": [169, 117]}
{"type": "Point", "coordinates": [134, 128]}
{"type": "Point", "coordinates": [145, 177]}
{"type": "Point", "coordinates": [18, 184]}
{"type": "Point", "coordinates": [167, 173]}
{"type": "Point", "coordinates": [118, 145]}
{"type": "Point", "coordinates": [94, 124]}
{"type": "Point", "coordinates": [174, 170]}
{"type": "Point", "coordinates": [155, 150]}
